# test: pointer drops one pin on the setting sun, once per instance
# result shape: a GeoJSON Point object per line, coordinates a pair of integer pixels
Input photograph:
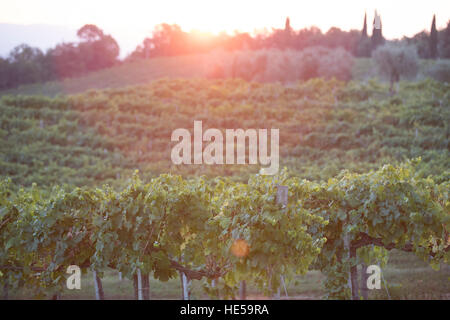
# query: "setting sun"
{"type": "Point", "coordinates": [129, 21]}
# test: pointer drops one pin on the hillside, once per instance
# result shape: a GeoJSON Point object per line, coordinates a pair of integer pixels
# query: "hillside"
{"type": "Point", "coordinates": [325, 127]}
{"type": "Point", "coordinates": [143, 71]}
{"type": "Point", "coordinates": [129, 74]}
{"type": "Point", "coordinates": [102, 136]}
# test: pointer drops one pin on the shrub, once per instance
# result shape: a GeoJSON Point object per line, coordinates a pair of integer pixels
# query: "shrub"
{"type": "Point", "coordinates": [396, 62]}
{"type": "Point", "coordinates": [337, 64]}
{"type": "Point", "coordinates": [439, 71]}
{"type": "Point", "coordinates": [272, 65]}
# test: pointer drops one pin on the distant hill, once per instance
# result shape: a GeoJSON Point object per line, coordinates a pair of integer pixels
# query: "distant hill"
{"type": "Point", "coordinates": [36, 35]}
{"type": "Point", "coordinates": [144, 71]}
{"type": "Point", "coordinates": [128, 74]}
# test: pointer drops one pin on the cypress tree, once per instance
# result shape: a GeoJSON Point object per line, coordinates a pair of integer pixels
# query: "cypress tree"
{"type": "Point", "coordinates": [287, 40]}
{"type": "Point", "coordinates": [433, 39]}
{"type": "Point", "coordinates": [287, 25]}
{"type": "Point", "coordinates": [364, 46]}
{"type": "Point", "coordinates": [364, 30]}
{"type": "Point", "coordinates": [445, 42]}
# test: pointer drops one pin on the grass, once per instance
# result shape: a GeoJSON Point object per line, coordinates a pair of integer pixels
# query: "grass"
{"type": "Point", "coordinates": [407, 278]}
{"type": "Point", "coordinates": [410, 278]}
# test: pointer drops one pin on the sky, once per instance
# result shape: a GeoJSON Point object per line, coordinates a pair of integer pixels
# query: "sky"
{"type": "Point", "coordinates": [131, 20]}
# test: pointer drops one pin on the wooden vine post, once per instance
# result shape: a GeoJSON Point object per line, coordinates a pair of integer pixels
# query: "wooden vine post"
{"type": "Point", "coordinates": [182, 284]}
{"type": "Point", "coordinates": [5, 291]}
{"type": "Point", "coordinates": [243, 290]}
{"type": "Point", "coordinates": [139, 284]}
{"type": "Point", "coordinates": [99, 294]}
{"type": "Point", "coordinates": [186, 283]}
{"type": "Point", "coordinates": [353, 273]}
{"type": "Point", "coordinates": [363, 284]}
{"type": "Point", "coordinates": [146, 286]}
{"type": "Point", "coordinates": [282, 198]}
{"type": "Point", "coordinates": [135, 287]}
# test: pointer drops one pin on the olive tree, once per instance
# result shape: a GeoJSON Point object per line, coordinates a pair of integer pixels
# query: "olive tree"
{"type": "Point", "coordinates": [395, 62]}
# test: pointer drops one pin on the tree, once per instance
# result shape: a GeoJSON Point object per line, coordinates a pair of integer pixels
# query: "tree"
{"type": "Point", "coordinates": [336, 63]}
{"type": "Point", "coordinates": [421, 41]}
{"type": "Point", "coordinates": [335, 38]}
{"type": "Point", "coordinates": [97, 49]}
{"type": "Point", "coordinates": [67, 60]}
{"type": "Point", "coordinates": [26, 65]}
{"type": "Point", "coordinates": [364, 46]}
{"type": "Point", "coordinates": [439, 71]}
{"type": "Point", "coordinates": [433, 39]}
{"type": "Point", "coordinates": [99, 54]}
{"type": "Point", "coordinates": [29, 65]}
{"type": "Point", "coordinates": [90, 32]}
{"type": "Point", "coordinates": [240, 41]}
{"type": "Point", "coordinates": [364, 30]}
{"type": "Point", "coordinates": [166, 40]}
{"type": "Point", "coordinates": [4, 73]}
{"type": "Point", "coordinates": [308, 38]}
{"type": "Point", "coordinates": [444, 42]}
{"type": "Point", "coordinates": [395, 62]}
{"type": "Point", "coordinates": [287, 26]}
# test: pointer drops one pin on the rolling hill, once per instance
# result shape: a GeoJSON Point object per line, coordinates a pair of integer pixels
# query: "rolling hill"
{"type": "Point", "coordinates": [128, 74]}
{"type": "Point", "coordinates": [325, 126]}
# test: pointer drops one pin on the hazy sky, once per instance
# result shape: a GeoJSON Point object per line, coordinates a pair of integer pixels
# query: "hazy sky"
{"type": "Point", "coordinates": [129, 21]}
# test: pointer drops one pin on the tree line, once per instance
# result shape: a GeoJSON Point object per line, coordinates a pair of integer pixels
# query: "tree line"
{"type": "Point", "coordinates": [26, 64]}
{"type": "Point", "coordinates": [97, 50]}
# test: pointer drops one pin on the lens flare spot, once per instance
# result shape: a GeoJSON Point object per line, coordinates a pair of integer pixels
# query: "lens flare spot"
{"type": "Point", "coordinates": [240, 248]}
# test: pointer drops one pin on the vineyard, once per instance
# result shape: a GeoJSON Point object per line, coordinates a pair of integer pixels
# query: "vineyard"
{"type": "Point", "coordinates": [88, 181]}
{"type": "Point", "coordinates": [175, 225]}
{"type": "Point", "coordinates": [325, 127]}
